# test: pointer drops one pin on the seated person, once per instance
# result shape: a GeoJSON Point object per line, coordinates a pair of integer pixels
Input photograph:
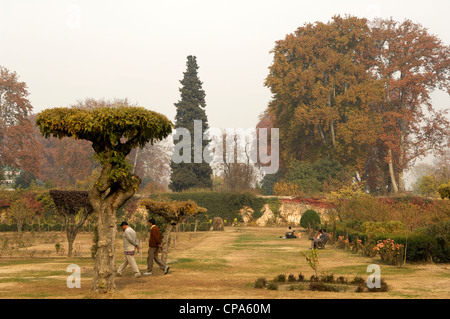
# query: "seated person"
{"type": "Point", "coordinates": [290, 234]}
{"type": "Point", "coordinates": [322, 237]}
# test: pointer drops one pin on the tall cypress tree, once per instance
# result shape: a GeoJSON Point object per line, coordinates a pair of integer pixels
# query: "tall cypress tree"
{"type": "Point", "coordinates": [191, 107]}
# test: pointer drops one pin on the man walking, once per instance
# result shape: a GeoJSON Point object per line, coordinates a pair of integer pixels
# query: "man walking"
{"type": "Point", "coordinates": [154, 245]}
{"type": "Point", "coordinates": [130, 244]}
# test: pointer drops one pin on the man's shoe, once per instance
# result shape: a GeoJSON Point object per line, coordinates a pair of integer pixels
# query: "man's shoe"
{"type": "Point", "coordinates": [147, 273]}
{"type": "Point", "coordinates": [166, 270]}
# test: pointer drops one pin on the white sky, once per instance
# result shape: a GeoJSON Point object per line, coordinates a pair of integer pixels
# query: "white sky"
{"type": "Point", "coordinates": [71, 50]}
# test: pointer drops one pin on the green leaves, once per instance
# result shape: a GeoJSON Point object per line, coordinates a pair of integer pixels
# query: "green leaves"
{"type": "Point", "coordinates": [105, 123]}
{"type": "Point", "coordinates": [113, 130]}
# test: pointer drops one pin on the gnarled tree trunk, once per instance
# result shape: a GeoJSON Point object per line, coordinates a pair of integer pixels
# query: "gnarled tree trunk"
{"type": "Point", "coordinates": [106, 198]}
{"type": "Point", "coordinates": [165, 242]}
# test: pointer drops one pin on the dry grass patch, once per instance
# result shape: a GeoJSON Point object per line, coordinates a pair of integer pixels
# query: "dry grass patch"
{"type": "Point", "coordinates": [220, 265]}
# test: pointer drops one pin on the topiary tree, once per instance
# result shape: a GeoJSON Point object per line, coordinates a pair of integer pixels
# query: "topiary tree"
{"type": "Point", "coordinates": [309, 218]}
{"type": "Point", "coordinates": [76, 208]}
{"type": "Point", "coordinates": [173, 213]}
{"type": "Point", "coordinates": [114, 130]}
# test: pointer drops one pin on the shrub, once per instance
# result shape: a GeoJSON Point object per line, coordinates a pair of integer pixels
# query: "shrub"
{"type": "Point", "coordinates": [444, 190]}
{"type": "Point", "coordinates": [341, 280]}
{"type": "Point", "coordinates": [309, 218]}
{"type": "Point", "coordinates": [272, 286]}
{"type": "Point", "coordinates": [358, 280]}
{"type": "Point", "coordinates": [390, 251]}
{"type": "Point", "coordinates": [321, 286]}
{"type": "Point", "coordinates": [383, 287]}
{"type": "Point", "coordinates": [5, 227]}
{"type": "Point", "coordinates": [280, 278]}
{"type": "Point", "coordinates": [388, 227]}
{"type": "Point", "coordinates": [260, 283]}
{"type": "Point", "coordinates": [441, 233]}
{"type": "Point", "coordinates": [283, 188]}
{"type": "Point", "coordinates": [360, 288]}
{"type": "Point", "coordinates": [328, 278]}
{"type": "Point", "coordinates": [56, 227]}
{"type": "Point", "coordinates": [301, 277]}
{"type": "Point", "coordinates": [422, 246]}
{"type": "Point", "coordinates": [291, 278]}
{"type": "Point", "coordinates": [224, 205]}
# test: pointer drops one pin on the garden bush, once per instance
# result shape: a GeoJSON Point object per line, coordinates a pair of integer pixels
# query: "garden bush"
{"type": "Point", "coordinates": [309, 218]}
{"type": "Point", "coordinates": [426, 244]}
{"type": "Point", "coordinates": [260, 283]}
{"type": "Point", "coordinates": [387, 227]}
{"type": "Point", "coordinates": [7, 227]}
{"type": "Point", "coordinates": [444, 190]}
{"type": "Point", "coordinates": [225, 205]}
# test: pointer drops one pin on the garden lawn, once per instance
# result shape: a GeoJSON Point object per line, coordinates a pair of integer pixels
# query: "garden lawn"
{"type": "Point", "coordinates": [222, 264]}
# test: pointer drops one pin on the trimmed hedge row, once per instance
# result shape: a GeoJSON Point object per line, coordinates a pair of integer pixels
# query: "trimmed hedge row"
{"type": "Point", "coordinates": [426, 244]}
{"type": "Point", "coordinates": [35, 227]}
{"type": "Point", "coordinates": [224, 205]}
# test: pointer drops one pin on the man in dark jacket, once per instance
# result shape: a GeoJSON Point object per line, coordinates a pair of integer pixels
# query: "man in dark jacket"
{"type": "Point", "coordinates": [155, 243]}
{"type": "Point", "coordinates": [322, 238]}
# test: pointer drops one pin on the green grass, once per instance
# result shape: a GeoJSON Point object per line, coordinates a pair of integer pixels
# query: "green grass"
{"type": "Point", "coordinates": [349, 270]}
{"type": "Point", "coordinates": [200, 264]}
{"type": "Point", "coordinates": [66, 261]}
{"type": "Point", "coordinates": [30, 276]}
{"type": "Point", "coordinates": [4, 263]}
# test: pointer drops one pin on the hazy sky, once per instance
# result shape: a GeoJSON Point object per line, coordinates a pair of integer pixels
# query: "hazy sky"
{"type": "Point", "coordinates": [71, 50]}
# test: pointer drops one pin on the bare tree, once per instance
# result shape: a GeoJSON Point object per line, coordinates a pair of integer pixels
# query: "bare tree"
{"type": "Point", "coordinates": [238, 172]}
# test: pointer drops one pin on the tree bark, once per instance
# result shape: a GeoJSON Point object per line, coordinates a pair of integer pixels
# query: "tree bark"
{"type": "Point", "coordinates": [165, 243]}
{"type": "Point", "coordinates": [106, 198]}
{"type": "Point", "coordinates": [333, 137]}
{"type": "Point", "coordinates": [19, 226]}
{"type": "Point", "coordinates": [391, 173]}
{"type": "Point", "coordinates": [401, 184]}
{"type": "Point", "coordinates": [70, 240]}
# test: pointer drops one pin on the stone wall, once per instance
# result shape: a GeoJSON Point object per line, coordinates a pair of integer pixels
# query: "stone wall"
{"type": "Point", "coordinates": [288, 214]}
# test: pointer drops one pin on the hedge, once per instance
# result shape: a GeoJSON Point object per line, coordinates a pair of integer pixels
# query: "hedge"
{"type": "Point", "coordinates": [224, 205]}
{"type": "Point", "coordinates": [426, 244]}
{"type": "Point", "coordinates": [35, 227]}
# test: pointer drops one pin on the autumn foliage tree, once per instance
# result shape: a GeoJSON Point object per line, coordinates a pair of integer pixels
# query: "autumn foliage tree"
{"type": "Point", "coordinates": [64, 161]}
{"type": "Point", "coordinates": [114, 129]}
{"type": "Point", "coordinates": [18, 147]}
{"type": "Point", "coordinates": [410, 63]}
{"type": "Point", "coordinates": [356, 92]}
{"type": "Point", "coordinates": [24, 207]}
{"type": "Point", "coordinates": [322, 92]}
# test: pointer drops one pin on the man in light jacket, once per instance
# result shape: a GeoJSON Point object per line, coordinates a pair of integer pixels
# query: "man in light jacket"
{"type": "Point", "coordinates": [130, 244]}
